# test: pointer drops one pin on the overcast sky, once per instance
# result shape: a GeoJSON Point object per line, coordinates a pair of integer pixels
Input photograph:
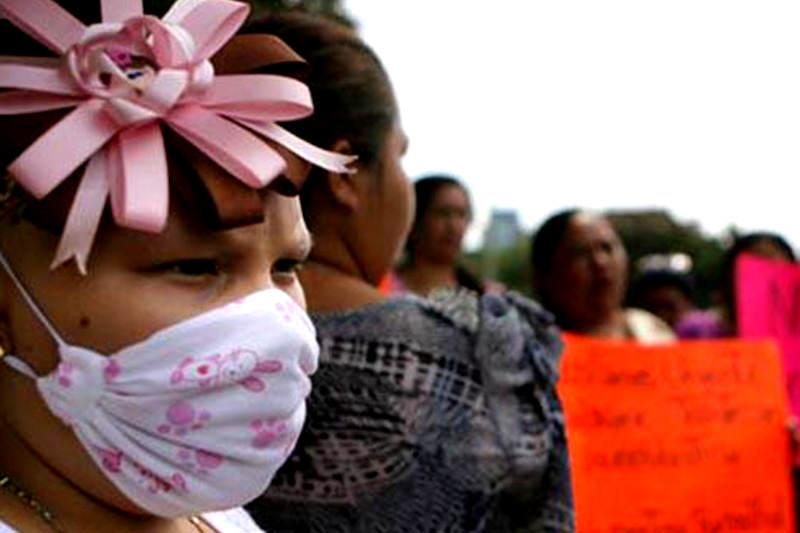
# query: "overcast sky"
{"type": "Point", "coordinates": [693, 105]}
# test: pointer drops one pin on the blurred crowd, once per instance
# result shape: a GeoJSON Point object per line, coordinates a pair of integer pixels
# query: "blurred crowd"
{"type": "Point", "coordinates": [581, 271]}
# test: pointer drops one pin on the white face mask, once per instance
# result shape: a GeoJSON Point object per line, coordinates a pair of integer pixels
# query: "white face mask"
{"type": "Point", "coordinates": [198, 416]}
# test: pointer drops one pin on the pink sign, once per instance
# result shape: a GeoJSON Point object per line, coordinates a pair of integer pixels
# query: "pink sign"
{"type": "Point", "coordinates": [768, 306]}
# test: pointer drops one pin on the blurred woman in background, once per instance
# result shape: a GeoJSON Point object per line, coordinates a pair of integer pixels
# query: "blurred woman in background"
{"type": "Point", "coordinates": [721, 321]}
{"type": "Point", "coordinates": [442, 216]}
{"type": "Point", "coordinates": [581, 274]}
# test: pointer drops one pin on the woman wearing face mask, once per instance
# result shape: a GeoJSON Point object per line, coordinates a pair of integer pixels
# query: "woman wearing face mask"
{"type": "Point", "coordinates": [154, 374]}
{"type": "Point", "coordinates": [425, 415]}
{"type": "Point", "coordinates": [581, 273]}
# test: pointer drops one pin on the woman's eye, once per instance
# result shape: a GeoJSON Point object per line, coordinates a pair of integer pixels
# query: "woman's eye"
{"type": "Point", "coordinates": [192, 267]}
{"type": "Point", "coordinates": [287, 267]}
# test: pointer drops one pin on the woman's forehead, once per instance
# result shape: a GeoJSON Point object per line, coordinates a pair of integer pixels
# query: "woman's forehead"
{"type": "Point", "coordinates": [587, 225]}
{"type": "Point", "coordinates": [450, 194]}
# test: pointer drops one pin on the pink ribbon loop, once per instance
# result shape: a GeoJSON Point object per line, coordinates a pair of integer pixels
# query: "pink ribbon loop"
{"type": "Point", "coordinates": [45, 21]}
{"type": "Point", "coordinates": [238, 96]}
{"type": "Point", "coordinates": [35, 75]}
{"type": "Point", "coordinates": [322, 158]}
{"type": "Point", "coordinates": [194, 16]}
{"type": "Point", "coordinates": [140, 186]}
{"type": "Point", "coordinates": [166, 89]}
{"type": "Point", "coordinates": [235, 149]}
{"type": "Point", "coordinates": [120, 10]}
{"type": "Point", "coordinates": [84, 215]}
{"type": "Point", "coordinates": [173, 46]}
{"type": "Point", "coordinates": [46, 163]}
{"type": "Point", "coordinates": [126, 113]}
{"type": "Point", "coordinates": [124, 77]}
{"type": "Point", "coordinates": [26, 102]}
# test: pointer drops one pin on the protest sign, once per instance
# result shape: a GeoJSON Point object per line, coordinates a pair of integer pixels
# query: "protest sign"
{"type": "Point", "coordinates": [682, 438]}
{"type": "Point", "coordinates": [768, 306]}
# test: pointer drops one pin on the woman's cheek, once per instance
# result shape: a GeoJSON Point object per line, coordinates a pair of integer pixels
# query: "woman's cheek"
{"type": "Point", "coordinates": [410, 202]}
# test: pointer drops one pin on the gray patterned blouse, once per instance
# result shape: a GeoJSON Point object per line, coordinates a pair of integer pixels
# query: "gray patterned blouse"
{"type": "Point", "coordinates": [429, 415]}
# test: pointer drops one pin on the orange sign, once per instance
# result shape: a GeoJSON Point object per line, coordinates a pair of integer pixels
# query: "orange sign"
{"type": "Point", "coordinates": [685, 438]}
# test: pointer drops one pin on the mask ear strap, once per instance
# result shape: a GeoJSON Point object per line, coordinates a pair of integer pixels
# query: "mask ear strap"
{"type": "Point", "coordinates": [20, 366]}
{"type": "Point", "coordinates": [30, 301]}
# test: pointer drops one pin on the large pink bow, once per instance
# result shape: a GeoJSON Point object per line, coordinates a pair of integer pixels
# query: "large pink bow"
{"type": "Point", "coordinates": [126, 75]}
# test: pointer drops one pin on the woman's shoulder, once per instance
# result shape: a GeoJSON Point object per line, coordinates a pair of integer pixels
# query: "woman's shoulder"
{"type": "Point", "coordinates": [530, 311]}
{"type": "Point", "coordinates": [526, 330]}
{"type": "Point", "coordinates": [403, 315]}
{"type": "Point", "coordinates": [459, 308]}
{"type": "Point", "coordinates": [699, 324]}
{"type": "Point", "coordinates": [647, 328]}
{"type": "Point", "coordinates": [450, 321]}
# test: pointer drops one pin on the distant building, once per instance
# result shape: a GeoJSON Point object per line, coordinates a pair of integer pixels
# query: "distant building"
{"type": "Point", "coordinates": [503, 230]}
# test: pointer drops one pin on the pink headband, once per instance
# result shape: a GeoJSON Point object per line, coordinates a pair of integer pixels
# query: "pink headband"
{"type": "Point", "coordinates": [125, 76]}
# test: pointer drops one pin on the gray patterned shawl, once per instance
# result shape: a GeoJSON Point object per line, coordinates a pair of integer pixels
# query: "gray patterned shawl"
{"type": "Point", "coordinates": [429, 415]}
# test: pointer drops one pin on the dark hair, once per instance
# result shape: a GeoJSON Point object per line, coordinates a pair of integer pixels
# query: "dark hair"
{"type": "Point", "coordinates": [740, 245]}
{"type": "Point", "coordinates": [425, 190]}
{"type": "Point", "coordinates": [468, 280]}
{"type": "Point", "coordinates": [352, 95]}
{"type": "Point", "coordinates": [743, 242]}
{"type": "Point", "coordinates": [546, 240]}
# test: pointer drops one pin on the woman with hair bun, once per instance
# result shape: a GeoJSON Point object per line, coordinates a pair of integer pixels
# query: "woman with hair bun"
{"type": "Point", "coordinates": [426, 415]}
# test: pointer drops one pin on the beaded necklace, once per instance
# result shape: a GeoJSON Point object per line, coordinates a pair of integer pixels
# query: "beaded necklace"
{"type": "Point", "coordinates": [43, 512]}
{"type": "Point", "coordinates": [47, 515]}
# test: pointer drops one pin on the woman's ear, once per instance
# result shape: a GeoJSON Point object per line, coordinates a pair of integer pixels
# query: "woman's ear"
{"type": "Point", "coordinates": [344, 187]}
